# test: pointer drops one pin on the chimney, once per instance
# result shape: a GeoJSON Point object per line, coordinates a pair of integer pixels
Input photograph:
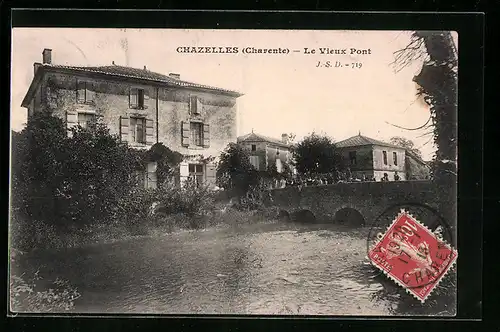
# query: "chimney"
{"type": "Point", "coordinates": [173, 75]}
{"type": "Point", "coordinates": [36, 65]}
{"type": "Point", "coordinates": [47, 56]}
{"type": "Point", "coordinates": [284, 138]}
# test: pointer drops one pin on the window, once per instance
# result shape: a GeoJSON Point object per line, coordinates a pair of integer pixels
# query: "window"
{"type": "Point", "coordinates": [140, 98]}
{"type": "Point", "coordinates": [395, 158]}
{"type": "Point", "coordinates": [196, 133]}
{"type": "Point", "coordinates": [254, 147]}
{"type": "Point", "coordinates": [255, 162]}
{"type": "Point", "coordinates": [84, 93]}
{"type": "Point", "coordinates": [86, 119]}
{"type": "Point", "coordinates": [137, 98]}
{"type": "Point", "coordinates": [196, 173]}
{"type": "Point", "coordinates": [138, 130]}
{"type": "Point", "coordinates": [352, 157]}
{"type": "Point", "coordinates": [384, 153]}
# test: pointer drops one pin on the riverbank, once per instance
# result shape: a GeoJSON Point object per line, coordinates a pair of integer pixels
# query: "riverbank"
{"type": "Point", "coordinates": [259, 267]}
{"type": "Point", "coordinates": [33, 236]}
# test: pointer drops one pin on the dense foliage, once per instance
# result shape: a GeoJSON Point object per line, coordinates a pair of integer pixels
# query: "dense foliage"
{"type": "Point", "coordinates": [406, 144]}
{"type": "Point", "coordinates": [235, 172]}
{"type": "Point", "coordinates": [27, 296]}
{"type": "Point", "coordinates": [167, 162]}
{"type": "Point", "coordinates": [66, 180]}
{"type": "Point", "coordinates": [437, 85]}
{"type": "Point", "coordinates": [316, 154]}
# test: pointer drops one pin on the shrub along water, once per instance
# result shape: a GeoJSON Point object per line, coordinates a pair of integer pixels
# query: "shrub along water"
{"type": "Point", "coordinates": [69, 191]}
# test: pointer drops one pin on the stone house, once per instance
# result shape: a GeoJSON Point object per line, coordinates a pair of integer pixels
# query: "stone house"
{"type": "Point", "coordinates": [142, 107]}
{"type": "Point", "coordinates": [372, 158]}
{"type": "Point", "coordinates": [265, 151]}
{"type": "Point", "coordinates": [416, 168]}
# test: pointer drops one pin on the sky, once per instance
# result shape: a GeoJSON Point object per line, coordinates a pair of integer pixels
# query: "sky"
{"type": "Point", "coordinates": [283, 93]}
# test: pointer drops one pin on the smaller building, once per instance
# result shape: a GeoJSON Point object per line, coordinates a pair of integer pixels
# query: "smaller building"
{"type": "Point", "coordinates": [368, 157]}
{"type": "Point", "coordinates": [416, 168]}
{"type": "Point", "coordinates": [265, 151]}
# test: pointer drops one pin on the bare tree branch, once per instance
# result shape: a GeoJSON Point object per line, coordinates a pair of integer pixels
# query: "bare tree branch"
{"type": "Point", "coordinates": [417, 128]}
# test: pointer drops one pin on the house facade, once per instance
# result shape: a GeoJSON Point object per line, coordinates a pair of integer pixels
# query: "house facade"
{"type": "Point", "coordinates": [372, 158]}
{"type": "Point", "coordinates": [142, 107]}
{"type": "Point", "coordinates": [265, 151]}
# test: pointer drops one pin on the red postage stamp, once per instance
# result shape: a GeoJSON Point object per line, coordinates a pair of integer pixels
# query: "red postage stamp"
{"type": "Point", "coordinates": [411, 255]}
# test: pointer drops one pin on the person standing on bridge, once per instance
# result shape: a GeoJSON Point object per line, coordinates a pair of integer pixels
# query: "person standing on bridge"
{"type": "Point", "coordinates": [385, 178]}
{"type": "Point", "coordinates": [396, 176]}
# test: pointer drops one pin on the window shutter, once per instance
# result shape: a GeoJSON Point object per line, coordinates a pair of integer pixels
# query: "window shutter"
{"type": "Point", "coordinates": [146, 98]}
{"type": "Point", "coordinates": [206, 135]}
{"type": "Point", "coordinates": [149, 131]}
{"type": "Point", "coordinates": [89, 92]}
{"type": "Point", "coordinates": [193, 105]}
{"type": "Point", "coordinates": [185, 133]}
{"type": "Point", "coordinates": [211, 172]}
{"type": "Point", "coordinates": [124, 128]}
{"type": "Point", "coordinates": [80, 91]}
{"type": "Point", "coordinates": [183, 172]}
{"type": "Point", "coordinates": [71, 119]}
{"type": "Point", "coordinates": [199, 106]}
{"type": "Point", "coordinates": [133, 98]}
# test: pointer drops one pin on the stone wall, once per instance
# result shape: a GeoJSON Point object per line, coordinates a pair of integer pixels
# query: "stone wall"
{"type": "Point", "coordinates": [368, 198]}
{"type": "Point", "coordinates": [164, 108]}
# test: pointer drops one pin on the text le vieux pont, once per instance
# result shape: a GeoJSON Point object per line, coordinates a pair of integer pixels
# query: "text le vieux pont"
{"type": "Point", "coordinates": [255, 50]}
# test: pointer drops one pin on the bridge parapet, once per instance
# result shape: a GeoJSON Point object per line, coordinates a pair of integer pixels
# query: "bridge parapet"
{"type": "Point", "coordinates": [367, 198]}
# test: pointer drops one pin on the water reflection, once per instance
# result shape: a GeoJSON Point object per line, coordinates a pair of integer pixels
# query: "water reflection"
{"type": "Point", "coordinates": [256, 269]}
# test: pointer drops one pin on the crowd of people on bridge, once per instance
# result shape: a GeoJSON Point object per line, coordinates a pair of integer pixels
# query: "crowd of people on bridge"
{"type": "Point", "coordinates": [328, 178]}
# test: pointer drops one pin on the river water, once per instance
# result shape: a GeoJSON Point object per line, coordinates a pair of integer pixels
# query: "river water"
{"type": "Point", "coordinates": [253, 269]}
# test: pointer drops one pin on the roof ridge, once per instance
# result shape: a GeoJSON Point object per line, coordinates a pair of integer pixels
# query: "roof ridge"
{"type": "Point", "coordinates": [263, 137]}
{"type": "Point", "coordinates": [107, 69]}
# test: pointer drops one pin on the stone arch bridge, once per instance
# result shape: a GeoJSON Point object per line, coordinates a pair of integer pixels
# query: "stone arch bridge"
{"type": "Point", "coordinates": [358, 203]}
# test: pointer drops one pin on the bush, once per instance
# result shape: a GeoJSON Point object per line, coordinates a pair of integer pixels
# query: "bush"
{"type": "Point", "coordinates": [33, 234]}
{"type": "Point", "coordinates": [234, 171]}
{"type": "Point", "coordinates": [191, 199]}
{"type": "Point", "coordinates": [69, 181]}
{"type": "Point", "coordinates": [25, 296]}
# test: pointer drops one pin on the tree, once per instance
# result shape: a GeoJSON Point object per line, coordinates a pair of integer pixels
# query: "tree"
{"type": "Point", "coordinates": [285, 174]}
{"type": "Point", "coordinates": [437, 85]}
{"type": "Point", "coordinates": [235, 172]}
{"type": "Point", "coordinates": [315, 154]}
{"type": "Point", "coordinates": [67, 181]}
{"type": "Point", "coordinates": [406, 144]}
{"type": "Point", "coordinates": [167, 161]}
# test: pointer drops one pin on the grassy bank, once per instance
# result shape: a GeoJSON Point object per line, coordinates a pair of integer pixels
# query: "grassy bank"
{"type": "Point", "coordinates": [32, 235]}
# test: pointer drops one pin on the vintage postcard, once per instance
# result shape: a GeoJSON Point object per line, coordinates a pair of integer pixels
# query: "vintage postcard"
{"type": "Point", "coordinates": [233, 172]}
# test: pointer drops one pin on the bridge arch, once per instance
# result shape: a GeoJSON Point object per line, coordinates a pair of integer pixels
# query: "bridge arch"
{"type": "Point", "coordinates": [349, 216]}
{"type": "Point", "coordinates": [304, 216]}
{"type": "Point", "coordinates": [284, 215]}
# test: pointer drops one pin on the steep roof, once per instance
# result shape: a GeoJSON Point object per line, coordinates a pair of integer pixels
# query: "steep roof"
{"type": "Point", "coordinates": [253, 137]}
{"type": "Point", "coordinates": [415, 157]}
{"type": "Point", "coordinates": [360, 140]}
{"type": "Point", "coordinates": [126, 72]}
